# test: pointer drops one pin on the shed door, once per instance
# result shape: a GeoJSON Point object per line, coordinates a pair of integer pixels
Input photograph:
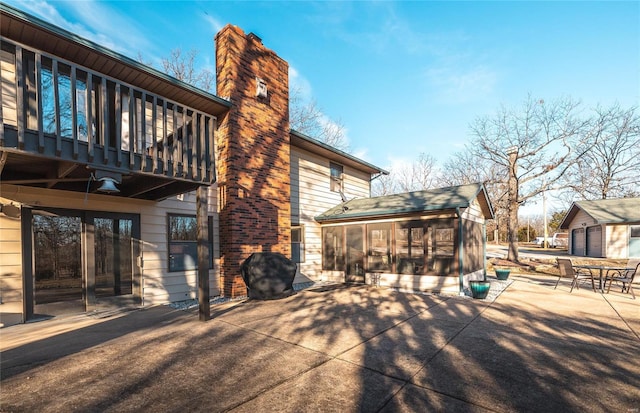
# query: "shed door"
{"type": "Point", "coordinates": [577, 241]}
{"type": "Point", "coordinates": [594, 241]}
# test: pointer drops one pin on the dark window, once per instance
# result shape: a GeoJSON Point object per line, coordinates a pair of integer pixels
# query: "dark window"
{"type": "Point", "coordinates": [64, 102]}
{"type": "Point", "coordinates": [336, 171]}
{"type": "Point", "coordinates": [635, 231]}
{"type": "Point", "coordinates": [183, 242]}
{"type": "Point", "coordinates": [332, 249]}
{"type": "Point", "coordinates": [297, 243]}
{"type": "Point", "coordinates": [379, 241]}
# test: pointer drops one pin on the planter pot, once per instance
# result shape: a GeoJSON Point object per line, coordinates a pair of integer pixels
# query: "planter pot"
{"type": "Point", "coordinates": [503, 274]}
{"type": "Point", "coordinates": [479, 289]}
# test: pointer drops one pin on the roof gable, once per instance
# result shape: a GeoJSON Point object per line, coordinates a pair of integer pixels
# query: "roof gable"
{"type": "Point", "coordinates": [606, 211]}
{"type": "Point", "coordinates": [431, 200]}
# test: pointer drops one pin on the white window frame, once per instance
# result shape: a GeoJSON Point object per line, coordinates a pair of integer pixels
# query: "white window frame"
{"type": "Point", "coordinates": [297, 244]}
{"type": "Point", "coordinates": [336, 183]}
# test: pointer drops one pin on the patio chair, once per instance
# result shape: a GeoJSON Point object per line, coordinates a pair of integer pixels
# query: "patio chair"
{"type": "Point", "coordinates": [567, 270]}
{"type": "Point", "coordinates": [625, 278]}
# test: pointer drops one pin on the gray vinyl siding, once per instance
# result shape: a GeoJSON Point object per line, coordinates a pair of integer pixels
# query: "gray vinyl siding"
{"type": "Point", "coordinates": [617, 241]}
{"type": "Point", "coordinates": [10, 269]}
{"type": "Point", "coordinates": [474, 212]}
{"type": "Point", "coordinates": [311, 196]}
{"type": "Point", "coordinates": [8, 84]}
{"type": "Point", "coordinates": [159, 285]}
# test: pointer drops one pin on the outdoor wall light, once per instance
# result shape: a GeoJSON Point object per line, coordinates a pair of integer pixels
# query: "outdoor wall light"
{"type": "Point", "coordinates": [10, 210]}
{"type": "Point", "coordinates": [108, 181]}
{"type": "Point", "coordinates": [108, 185]}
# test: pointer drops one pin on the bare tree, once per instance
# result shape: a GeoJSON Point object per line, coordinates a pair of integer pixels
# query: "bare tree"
{"type": "Point", "coordinates": [307, 117]}
{"type": "Point", "coordinates": [466, 167]}
{"type": "Point", "coordinates": [534, 145]}
{"type": "Point", "coordinates": [182, 66]}
{"type": "Point", "coordinates": [610, 166]}
{"type": "Point", "coordinates": [384, 185]}
{"type": "Point", "coordinates": [418, 175]}
{"type": "Point", "coordinates": [140, 58]}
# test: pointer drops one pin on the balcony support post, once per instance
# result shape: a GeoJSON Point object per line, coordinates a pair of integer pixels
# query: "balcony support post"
{"type": "Point", "coordinates": [204, 308]}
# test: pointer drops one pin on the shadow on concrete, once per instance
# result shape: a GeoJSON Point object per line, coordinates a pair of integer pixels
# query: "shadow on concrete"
{"type": "Point", "coordinates": [350, 348]}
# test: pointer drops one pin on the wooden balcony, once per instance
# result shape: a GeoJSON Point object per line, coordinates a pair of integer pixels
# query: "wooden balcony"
{"type": "Point", "coordinates": [64, 125]}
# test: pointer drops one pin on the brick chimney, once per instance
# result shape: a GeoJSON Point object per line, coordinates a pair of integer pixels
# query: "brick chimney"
{"type": "Point", "coordinates": [252, 150]}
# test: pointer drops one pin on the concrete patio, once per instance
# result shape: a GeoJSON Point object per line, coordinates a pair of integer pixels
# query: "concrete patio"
{"type": "Point", "coordinates": [338, 348]}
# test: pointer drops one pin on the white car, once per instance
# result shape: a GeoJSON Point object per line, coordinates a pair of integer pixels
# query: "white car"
{"type": "Point", "coordinates": [559, 240]}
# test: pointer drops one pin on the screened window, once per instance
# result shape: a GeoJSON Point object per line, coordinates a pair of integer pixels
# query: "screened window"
{"type": "Point", "coordinates": [336, 171]}
{"type": "Point", "coordinates": [183, 242]}
{"type": "Point", "coordinates": [379, 241]}
{"type": "Point", "coordinates": [332, 249]}
{"type": "Point", "coordinates": [297, 244]}
{"type": "Point", "coordinates": [410, 249]}
{"type": "Point", "coordinates": [444, 242]}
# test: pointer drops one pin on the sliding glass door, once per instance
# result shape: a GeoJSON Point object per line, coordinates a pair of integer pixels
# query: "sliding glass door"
{"type": "Point", "coordinates": [82, 261]}
{"type": "Point", "coordinates": [113, 256]}
{"type": "Point", "coordinates": [57, 262]}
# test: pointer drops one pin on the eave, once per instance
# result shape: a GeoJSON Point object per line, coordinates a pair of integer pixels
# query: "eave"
{"type": "Point", "coordinates": [29, 30]}
{"type": "Point", "coordinates": [307, 143]}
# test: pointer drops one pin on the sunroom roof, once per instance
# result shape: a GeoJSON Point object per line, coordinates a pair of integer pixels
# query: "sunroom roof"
{"type": "Point", "coordinates": [431, 200]}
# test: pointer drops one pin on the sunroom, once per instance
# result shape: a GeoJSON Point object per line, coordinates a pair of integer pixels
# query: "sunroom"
{"type": "Point", "coordinates": [433, 240]}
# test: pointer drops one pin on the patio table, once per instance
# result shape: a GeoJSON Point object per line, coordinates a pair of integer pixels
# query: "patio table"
{"type": "Point", "coordinates": [602, 269]}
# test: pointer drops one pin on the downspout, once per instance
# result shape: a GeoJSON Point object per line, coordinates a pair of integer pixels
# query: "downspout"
{"type": "Point", "coordinates": [484, 250]}
{"type": "Point", "coordinates": [460, 252]}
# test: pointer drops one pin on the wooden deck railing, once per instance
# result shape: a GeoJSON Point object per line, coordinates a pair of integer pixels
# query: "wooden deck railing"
{"type": "Point", "coordinates": [63, 110]}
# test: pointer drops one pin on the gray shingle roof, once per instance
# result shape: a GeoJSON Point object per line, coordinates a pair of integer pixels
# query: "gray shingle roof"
{"type": "Point", "coordinates": [606, 211]}
{"type": "Point", "coordinates": [411, 202]}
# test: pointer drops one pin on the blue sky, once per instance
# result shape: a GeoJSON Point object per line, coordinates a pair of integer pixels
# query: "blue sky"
{"type": "Point", "coordinates": [403, 77]}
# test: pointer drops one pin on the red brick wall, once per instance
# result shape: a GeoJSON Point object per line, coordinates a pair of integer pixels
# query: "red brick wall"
{"type": "Point", "coordinates": [252, 150]}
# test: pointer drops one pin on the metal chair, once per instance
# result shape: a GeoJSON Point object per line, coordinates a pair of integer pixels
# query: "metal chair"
{"type": "Point", "coordinates": [567, 270]}
{"type": "Point", "coordinates": [625, 278]}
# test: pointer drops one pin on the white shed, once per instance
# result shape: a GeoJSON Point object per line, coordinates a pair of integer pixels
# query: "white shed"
{"type": "Point", "coordinates": [607, 228]}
